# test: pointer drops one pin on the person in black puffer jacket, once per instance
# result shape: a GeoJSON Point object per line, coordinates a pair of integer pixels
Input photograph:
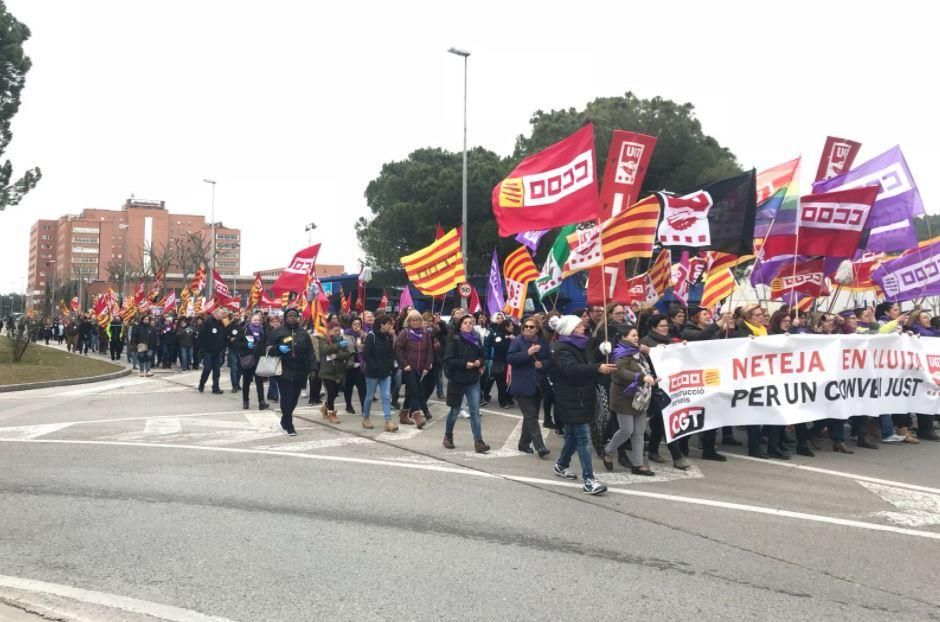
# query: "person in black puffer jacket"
{"type": "Point", "coordinates": [292, 344]}
{"type": "Point", "coordinates": [211, 340]}
{"type": "Point", "coordinates": [463, 358]}
{"type": "Point", "coordinates": [249, 346]}
{"type": "Point", "coordinates": [501, 338]}
{"type": "Point", "coordinates": [574, 375]}
{"type": "Point", "coordinates": [379, 362]}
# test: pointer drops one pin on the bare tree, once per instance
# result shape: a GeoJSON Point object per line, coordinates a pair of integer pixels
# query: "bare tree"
{"type": "Point", "coordinates": [191, 251]}
{"type": "Point", "coordinates": [157, 258]}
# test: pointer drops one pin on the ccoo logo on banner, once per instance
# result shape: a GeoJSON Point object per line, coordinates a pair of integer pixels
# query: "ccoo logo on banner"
{"type": "Point", "coordinates": [788, 379]}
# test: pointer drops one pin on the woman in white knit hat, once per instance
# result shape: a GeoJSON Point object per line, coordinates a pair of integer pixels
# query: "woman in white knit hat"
{"type": "Point", "coordinates": [573, 375]}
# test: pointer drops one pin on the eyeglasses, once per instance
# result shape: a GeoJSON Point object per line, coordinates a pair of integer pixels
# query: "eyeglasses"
{"type": "Point", "coordinates": [619, 313]}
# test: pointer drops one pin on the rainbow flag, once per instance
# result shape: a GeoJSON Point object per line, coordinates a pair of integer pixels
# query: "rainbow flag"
{"type": "Point", "coordinates": [778, 195]}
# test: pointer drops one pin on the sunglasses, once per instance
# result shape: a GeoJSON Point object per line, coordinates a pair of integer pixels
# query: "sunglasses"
{"type": "Point", "coordinates": [529, 326]}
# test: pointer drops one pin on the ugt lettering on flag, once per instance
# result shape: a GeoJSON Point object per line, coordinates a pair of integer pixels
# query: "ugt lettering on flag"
{"type": "Point", "coordinates": [554, 187]}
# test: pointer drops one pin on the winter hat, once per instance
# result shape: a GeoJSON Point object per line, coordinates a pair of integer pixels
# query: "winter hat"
{"type": "Point", "coordinates": [553, 323]}
{"type": "Point", "coordinates": [567, 324]}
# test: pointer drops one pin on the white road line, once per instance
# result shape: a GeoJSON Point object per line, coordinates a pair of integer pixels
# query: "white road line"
{"type": "Point", "coordinates": [114, 601]}
{"type": "Point", "coordinates": [917, 509]}
{"type": "Point", "coordinates": [482, 410]}
{"type": "Point", "coordinates": [145, 418]}
{"type": "Point", "coordinates": [102, 387]}
{"type": "Point", "coordinates": [322, 444]}
{"type": "Point", "coordinates": [456, 470]}
{"type": "Point", "coordinates": [26, 432]}
{"type": "Point", "coordinates": [170, 425]}
{"type": "Point", "coordinates": [856, 477]}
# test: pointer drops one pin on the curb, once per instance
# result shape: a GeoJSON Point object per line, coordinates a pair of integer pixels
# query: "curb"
{"type": "Point", "coordinates": [48, 384]}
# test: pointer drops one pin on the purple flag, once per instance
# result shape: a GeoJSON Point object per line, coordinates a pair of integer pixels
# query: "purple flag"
{"type": "Point", "coordinates": [494, 293]}
{"type": "Point", "coordinates": [910, 276]}
{"type": "Point", "coordinates": [898, 198]}
{"type": "Point", "coordinates": [530, 239]}
{"type": "Point", "coordinates": [405, 301]}
{"type": "Point", "coordinates": [766, 270]}
{"type": "Point", "coordinates": [897, 236]}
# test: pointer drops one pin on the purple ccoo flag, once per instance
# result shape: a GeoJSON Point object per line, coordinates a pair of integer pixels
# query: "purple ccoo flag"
{"type": "Point", "coordinates": [494, 293]}
{"type": "Point", "coordinates": [910, 276]}
{"type": "Point", "coordinates": [530, 239]}
{"type": "Point", "coordinates": [891, 219]}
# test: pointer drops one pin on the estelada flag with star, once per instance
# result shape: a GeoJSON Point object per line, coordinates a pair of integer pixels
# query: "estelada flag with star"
{"type": "Point", "coordinates": [554, 187]}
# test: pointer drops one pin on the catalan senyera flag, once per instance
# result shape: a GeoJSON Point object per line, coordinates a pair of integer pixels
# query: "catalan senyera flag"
{"type": "Point", "coordinates": [63, 309]}
{"type": "Point", "coordinates": [75, 304]}
{"type": "Point", "coordinates": [254, 296]}
{"type": "Point", "coordinates": [718, 286]}
{"type": "Point", "coordinates": [436, 269]}
{"type": "Point", "coordinates": [199, 280]}
{"type": "Point", "coordinates": [518, 270]}
{"type": "Point", "coordinates": [715, 261]}
{"type": "Point", "coordinates": [661, 272]}
{"type": "Point", "coordinates": [631, 233]}
{"type": "Point", "coordinates": [157, 285]}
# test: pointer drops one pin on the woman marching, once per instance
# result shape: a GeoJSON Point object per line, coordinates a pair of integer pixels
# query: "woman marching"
{"type": "Point", "coordinates": [379, 359]}
{"type": "Point", "coordinates": [531, 359]}
{"type": "Point", "coordinates": [464, 360]}
{"type": "Point", "coordinates": [414, 351]}
{"type": "Point", "coordinates": [144, 340]}
{"type": "Point", "coordinates": [249, 344]}
{"type": "Point", "coordinates": [630, 389]}
{"type": "Point", "coordinates": [355, 336]}
{"type": "Point", "coordinates": [292, 344]}
{"type": "Point", "coordinates": [334, 355]}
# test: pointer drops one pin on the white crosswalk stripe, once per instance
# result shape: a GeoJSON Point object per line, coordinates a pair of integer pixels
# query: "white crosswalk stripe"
{"type": "Point", "coordinates": [26, 432]}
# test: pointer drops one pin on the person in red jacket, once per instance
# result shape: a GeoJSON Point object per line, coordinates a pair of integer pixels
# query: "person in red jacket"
{"type": "Point", "coordinates": [414, 351]}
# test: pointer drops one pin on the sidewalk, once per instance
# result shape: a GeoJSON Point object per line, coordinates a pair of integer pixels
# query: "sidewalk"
{"type": "Point", "coordinates": [126, 370]}
{"type": "Point", "coordinates": [13, 614]}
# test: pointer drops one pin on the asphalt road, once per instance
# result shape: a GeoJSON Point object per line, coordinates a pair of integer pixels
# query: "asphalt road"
{"type": "Point", "coordinates": [143, 499]}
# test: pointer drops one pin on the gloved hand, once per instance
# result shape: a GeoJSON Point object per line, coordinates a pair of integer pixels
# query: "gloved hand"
{"type": "Point", "coordinates": [343, 343]}
{"type": "Point", "coordinates": [251, 345]}
{"type": "Point", "coordinates": [605, 348]}
{"type": "Point", "coordinates": [283, 349]}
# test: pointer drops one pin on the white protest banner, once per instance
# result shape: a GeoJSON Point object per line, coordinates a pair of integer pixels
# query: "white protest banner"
{"type": "Point", "coordinates": [787, 379]}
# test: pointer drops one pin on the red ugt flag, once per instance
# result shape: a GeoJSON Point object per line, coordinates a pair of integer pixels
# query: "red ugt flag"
{"type": "Point", "coordinates": [293, 278]}
{"type": "Point", "coordinates": [554, 187]}
{"type": "Point", "coordinates": [627, 161]}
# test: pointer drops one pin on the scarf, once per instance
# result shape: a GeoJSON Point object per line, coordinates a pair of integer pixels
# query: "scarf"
{"type": "Point", "coordinates": [654, 336]}
{"type": "Point", "coordinates": [757, 331]}
{"type": "Point", "coordinates": [472, 337]}
{"type": "Point", "coordinates": [622, 350]}
{"type": "Point", "coordinates": [367, 328]}
{"type": "Point", "coordinates": [254, 331]}
{"type": "Point", "coordinates": [578, 341]}
{"type": "Point", "coordinates": [415, 335]}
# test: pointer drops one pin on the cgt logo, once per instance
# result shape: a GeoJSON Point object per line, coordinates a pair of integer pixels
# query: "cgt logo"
{"type": "Point", "coordinates": [686, 421]}
{"type": "Point", "coordinates": [694, 378]}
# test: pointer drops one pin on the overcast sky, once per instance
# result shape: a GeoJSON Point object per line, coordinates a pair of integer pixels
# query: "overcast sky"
{"type": "Point", "coordinates": [293, 106]}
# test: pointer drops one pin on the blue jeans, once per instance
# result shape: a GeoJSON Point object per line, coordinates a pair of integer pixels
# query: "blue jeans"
{"type": "Point", "coordinates": [439, 379]}
{"type": "Point", "coordinates": [471, 393]}
{"type": "Point", "coordinates": [234, 371]}
{"type": "Point", "coordinates": [887, 426]}
{"type": "Point", "coordinates": [385, 385]}
{"type": "Point", "coordinates": [186, 357]}
{"type": "Point", "coordinates": [577, 438]}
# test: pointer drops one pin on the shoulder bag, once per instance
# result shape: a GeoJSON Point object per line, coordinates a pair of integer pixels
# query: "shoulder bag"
{"type": "Point", "coordinates": [268, 365]}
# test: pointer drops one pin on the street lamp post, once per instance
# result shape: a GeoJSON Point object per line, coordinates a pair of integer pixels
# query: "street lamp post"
{"type": "Point", "coordinates": [463, 213]}
{"type": "Point", "coordinates": [124, 271]}
{"type": "Point", "coordinates": [211, 230]}
{"type": "Point", "coordinates": [309, 229]}
{"type": "Point", "coordinates": [52, 262]}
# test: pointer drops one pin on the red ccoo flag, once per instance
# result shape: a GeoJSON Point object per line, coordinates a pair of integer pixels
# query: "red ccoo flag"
{"type": "Point", "coordinates": [294, 276]}
{"type": "Point", "coordinates": [556, 186]}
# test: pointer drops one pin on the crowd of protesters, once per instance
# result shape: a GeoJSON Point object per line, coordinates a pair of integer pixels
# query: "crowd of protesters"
{"type": "Point", "coordinates": [587, 380]}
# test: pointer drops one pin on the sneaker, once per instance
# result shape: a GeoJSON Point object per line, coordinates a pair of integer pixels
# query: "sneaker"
{"type": "Point", "coordinates": [894, 438]}
{"type": "Point", "coordinates": [484, 403]}
{"type": "Point", "coordinates": [594, 487]}
{"type": "Point", "coordinates": [292, 432]}
{"type": "Point", "coordinates": [564, 473]}
{"type": "Point", "coordinates": [681, 463]}
{"type": "Point", "coordinates": [463, 414]}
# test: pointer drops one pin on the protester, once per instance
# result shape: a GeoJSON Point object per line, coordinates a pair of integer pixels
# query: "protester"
{"type": "Point", "coordinates": [573, 375]}
{"type": "Point", "coordinates": [414, 351]}
{"type": "Point", "coordinates": [632, 379]}
{"type": "Point", "coordinates": [334, 355]}
{"type": "Point", "coordinates": [212, 342]}
{"type": "Point", "coordinates": [464, 362]}
{"type": "Point", "coordinates": [379, 359]}
{"type": "Point", "coordinates": [249, 345]}
{"type": "Point", "coordinates": [531, 359]}
{"type": "Point", "coordinates": [355, 337]}
{"type": "Point", "coordinates": [184, 338]}
{"type": "Point", "coordinates": [144, 343]}
{"type": "Point", "coordinates": [292, 344]}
